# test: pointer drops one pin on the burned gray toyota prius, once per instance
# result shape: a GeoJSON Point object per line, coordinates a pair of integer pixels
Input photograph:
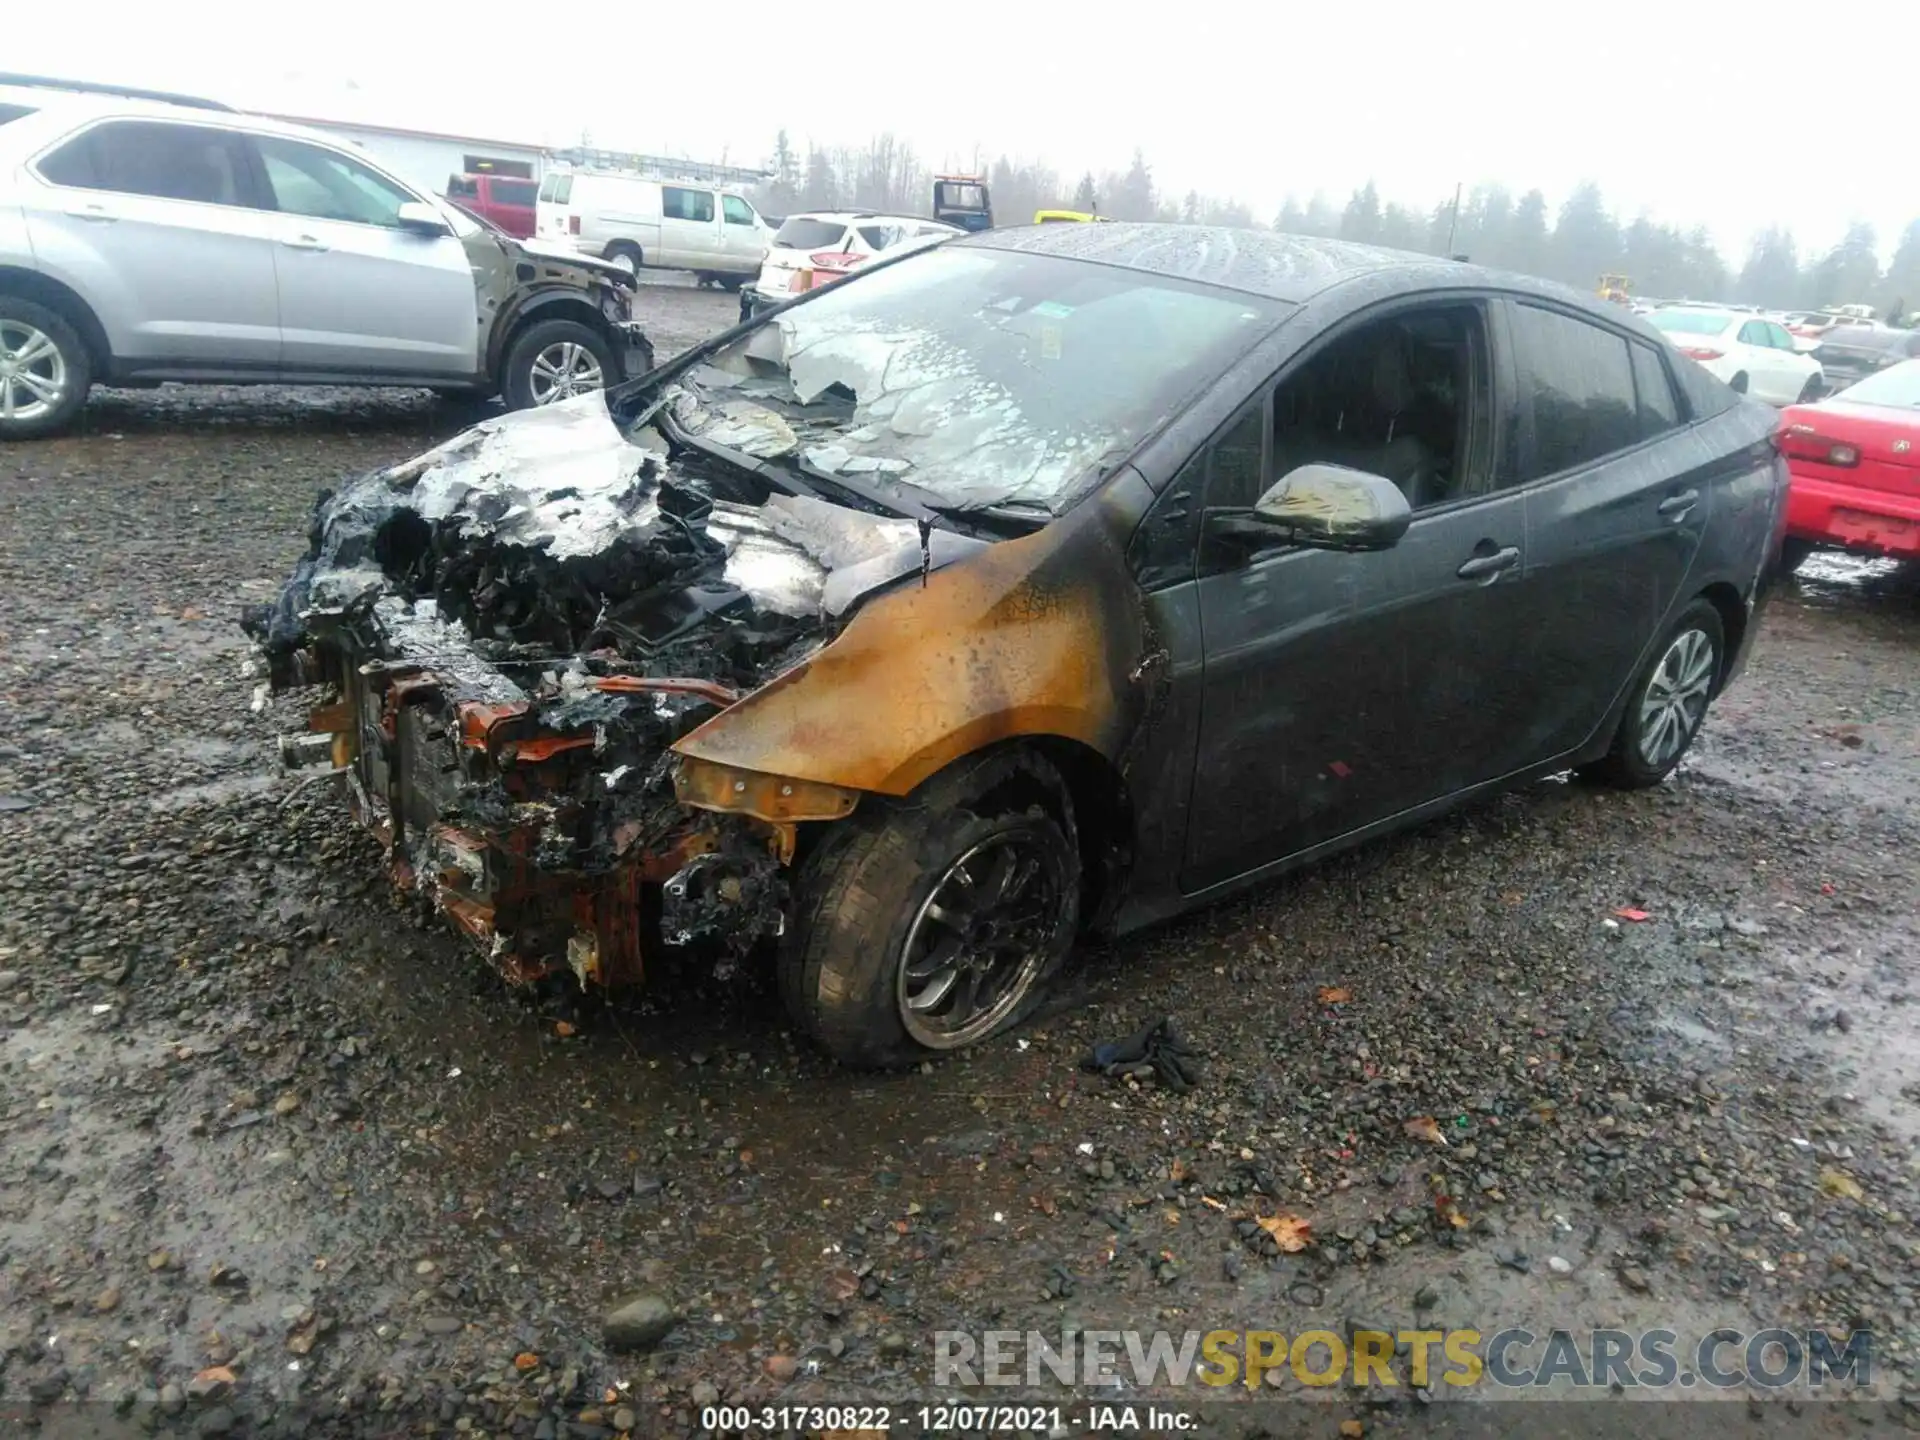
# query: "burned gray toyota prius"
{"type": "Point", "coordinates": [1048, 580]}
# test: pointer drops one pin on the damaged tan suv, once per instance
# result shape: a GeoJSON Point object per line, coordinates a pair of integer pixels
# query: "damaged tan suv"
{"type": "Point", "coordinates": [1046, 580]}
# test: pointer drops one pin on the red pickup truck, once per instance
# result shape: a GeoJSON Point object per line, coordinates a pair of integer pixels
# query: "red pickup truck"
{"type": "Point", "coordinates": [505, 200]}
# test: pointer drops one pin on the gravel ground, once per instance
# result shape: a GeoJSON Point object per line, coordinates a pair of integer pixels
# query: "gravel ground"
{"type": "Point", "coordinates": [274, 1152]}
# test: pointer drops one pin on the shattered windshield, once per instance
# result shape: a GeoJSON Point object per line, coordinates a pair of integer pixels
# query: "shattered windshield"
{"type": "Point", "coordinates": [980, 377]}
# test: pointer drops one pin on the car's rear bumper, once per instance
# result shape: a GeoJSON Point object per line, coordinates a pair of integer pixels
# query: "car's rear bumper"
{"type": "Point", "coordinates": [1852, 517]}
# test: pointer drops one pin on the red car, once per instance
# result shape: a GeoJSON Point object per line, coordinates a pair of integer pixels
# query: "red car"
{"type": "Point", "coordinates": [505, 200]}
{"type": "Point", "coordinates": [1855, 462]}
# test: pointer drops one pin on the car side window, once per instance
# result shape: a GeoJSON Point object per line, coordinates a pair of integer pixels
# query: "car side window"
{"type": "Point", "coordinates": [142, 157]}
{"type": "Point", "coordinates": [1236, 474]}
{"type": "Point", "coordinates": [679, 203]}
{"type": "Point", "coordinates": [1579, 379]}
{"type": "Point", "coordinates": [1659, 411]}
{"type": "Point", "coordinates": [881, 237]}
{"type": "Point", "coordinates": [737, 211]}
{"type": "Point", "coordinates": [1779, 337]}
{"type": "Point", "coordinates": [1403, 397]}
{"type": "Point", "coordinates": [1753, 333]}
{"type": "Point", "coordinates": [1166, 544]}
{"type": "Point", "coordinates": [307, 180]}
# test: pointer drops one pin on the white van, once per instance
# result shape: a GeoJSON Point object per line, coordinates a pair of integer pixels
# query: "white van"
{"type": "Point", "coordinates": [662, 224]}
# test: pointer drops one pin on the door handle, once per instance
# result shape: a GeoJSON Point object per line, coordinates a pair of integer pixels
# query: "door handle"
{"type": "Point", "coordinates": [1486, 567]}
{"type": "Point", "coordinates": [303, 242]}
{"type": "Point", "coordinates": [1675, 507]}
{"type": "Point", "coordinates": [98, 213]}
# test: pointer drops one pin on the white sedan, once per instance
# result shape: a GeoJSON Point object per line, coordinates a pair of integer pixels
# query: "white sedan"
{"type": "Point", "coordinates": [1753, 354]}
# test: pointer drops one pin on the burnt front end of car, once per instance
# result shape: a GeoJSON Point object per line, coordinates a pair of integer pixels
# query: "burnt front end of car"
{"type": "Point", "coordinates": [500, 644]}
{"type": "Point", "coordinates": [541, 812]}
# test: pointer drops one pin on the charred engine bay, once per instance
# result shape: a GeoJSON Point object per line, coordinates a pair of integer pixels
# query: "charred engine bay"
{"type": "Point", "coordinates": [588, 601]}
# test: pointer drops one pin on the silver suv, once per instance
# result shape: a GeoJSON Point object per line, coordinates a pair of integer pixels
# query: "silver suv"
{"type": "Point", "coordinates": [145, 239]}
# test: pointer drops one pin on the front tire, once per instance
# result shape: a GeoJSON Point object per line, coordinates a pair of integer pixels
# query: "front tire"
{"type": "Point", "coordinates": [45, 370]}
{"type": "Point", "coordinates": [1668, 702]}
{"type": "Point", "coordinates": [1812, 390]}
{"type": "Point", "coordinates": [1738, 384]}
{"type": "Point", "coordinates": [555, 360]}
{"type": "Point", "coordinates": [928, 925]}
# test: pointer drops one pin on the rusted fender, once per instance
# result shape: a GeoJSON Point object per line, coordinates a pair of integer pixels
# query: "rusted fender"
{"type": "Point", "coordinates": [1040, 635]}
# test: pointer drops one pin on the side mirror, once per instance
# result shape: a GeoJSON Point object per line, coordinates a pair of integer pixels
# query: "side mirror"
{"type": "Point", "coordinates": [1324, 507]}
{"type": "Point", "coordinates": [422, 219]}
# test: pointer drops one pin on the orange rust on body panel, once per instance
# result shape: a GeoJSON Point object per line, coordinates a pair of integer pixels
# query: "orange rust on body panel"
{"type": "Point", "coordinates": [775, 799]}
{"type": "Point", "coordinates": [473, 916]}
{"type": "Point", "coordinates": [650, 684]}
{"type": "Point", "coordinates": [477, 721]}
{"type": "Point", "coordinates": [330, 719]}
{"type": "Point", "coordinates": [1035, 636]}
{"type": "Point", "coordinates": [544, 747]}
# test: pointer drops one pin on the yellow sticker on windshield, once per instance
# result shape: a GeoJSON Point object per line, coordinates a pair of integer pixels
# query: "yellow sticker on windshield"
{"type": "Point", "coordinates": [1049, 342]}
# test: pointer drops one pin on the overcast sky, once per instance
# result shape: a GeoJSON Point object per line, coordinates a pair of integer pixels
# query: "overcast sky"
{"type": "Point", "coordinates": [1730, 115]}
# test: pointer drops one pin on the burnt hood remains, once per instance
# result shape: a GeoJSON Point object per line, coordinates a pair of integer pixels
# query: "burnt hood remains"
{"type": "Point", "coordinates": [548, 535]}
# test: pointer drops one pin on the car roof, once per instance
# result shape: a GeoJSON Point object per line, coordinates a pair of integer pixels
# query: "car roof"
{"type": "Point", "coordinates": [1288, 268]}
{"type": "Point", "coordinates": [61, 109]}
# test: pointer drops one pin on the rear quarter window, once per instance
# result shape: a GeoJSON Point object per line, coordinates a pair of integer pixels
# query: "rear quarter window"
{"type": "Point", "coordinates": [1659, 408]}
{"type": "Point", "coordinates": [1578, 379]}
{"type": "Point", "coordinates": [805, 233]}
{"type": "Point", "coordinates": [882, 237]}
{"type": "Point", "coordinates": [514, 192]}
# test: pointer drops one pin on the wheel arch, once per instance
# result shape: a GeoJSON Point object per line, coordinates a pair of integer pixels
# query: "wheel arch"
{"type": "Point", "coordinates": [555, 304]}
{"type": "Point", "coordinates": [64, 301]}
{"type": "Point", "coordinates": [1726, 602]}
{"type": "Point", "coordinates": [1103, 822]}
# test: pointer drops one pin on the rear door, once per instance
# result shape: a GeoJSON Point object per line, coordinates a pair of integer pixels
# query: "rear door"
{"type": "Point", "coordinates": [360, 294]}
{"type": "Point", "coordinates": [554, 215]}
{"type": "Point", "coordinates": [162, 227]}
{"type": "Point", "coordinates": [1618, 496]}
{"type": "Point", "coordinates": [690, 227]}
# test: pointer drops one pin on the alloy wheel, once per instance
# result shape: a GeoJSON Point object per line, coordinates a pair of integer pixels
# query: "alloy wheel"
{"type": "Point", "coordinates": [980, 939]}
{"type": "Point", "coordinates": [33, 372]}
{"type": "Point", "coordinates": [564, 369]}
{"type": "Point", "coordinates": [1676, 697]}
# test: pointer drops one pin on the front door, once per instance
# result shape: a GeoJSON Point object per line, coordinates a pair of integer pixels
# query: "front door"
{"type": "Point", "coordinates": [359, 293]}
{"type": "Point", "coordinates": [158, 222]}
{"type": "Point", "coordinates": [1340, 690]}
{"type": "Point", "coordinates": [744, 237]}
